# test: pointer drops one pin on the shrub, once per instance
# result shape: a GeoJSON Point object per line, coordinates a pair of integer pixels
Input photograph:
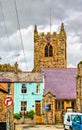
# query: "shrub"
{"type": "Point", "coordinates": [17, 116]}
{"type": "Point", "coordinates": [31, 114]}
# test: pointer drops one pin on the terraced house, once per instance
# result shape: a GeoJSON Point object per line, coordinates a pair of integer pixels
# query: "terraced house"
{"type": "Point", "coordinates": [28, 92]}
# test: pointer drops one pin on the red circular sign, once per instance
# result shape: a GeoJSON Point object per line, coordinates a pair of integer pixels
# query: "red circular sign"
{"type": "Point", "coordinates": [8, 101]}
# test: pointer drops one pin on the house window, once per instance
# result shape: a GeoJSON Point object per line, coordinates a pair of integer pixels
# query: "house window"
{"type": "Point", "coordinates": [23, 106]}
{"type": "Point", "coordinates": [58, 104]}
{"type": "Point", "coordinates": [23, 88]}
{"type": "Point", "coordinates": [48, 50]}
{"type": "Point", "coordinates": [62, 104]}
{"type": "Point", "coordinates": [38, 88]}
{"type": "Point", "coordinates": [9, 88]}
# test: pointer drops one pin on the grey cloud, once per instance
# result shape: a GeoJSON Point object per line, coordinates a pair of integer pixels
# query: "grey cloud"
{"type": "Point", "coordinates": [31, 12]}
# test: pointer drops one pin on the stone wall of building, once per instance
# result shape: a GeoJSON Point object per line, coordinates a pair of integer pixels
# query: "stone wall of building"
{"type": "Point", "coordinates": [6, 113]}
{"type": "Point", "coordinates": [79, 88]}
{"type": "Point", "coordinates": [3, 108]}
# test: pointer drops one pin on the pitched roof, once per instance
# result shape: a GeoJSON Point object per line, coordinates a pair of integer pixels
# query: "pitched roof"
{"type": "Point", "coordinates": [61, 82]}
{"type": "Point", "coordinates": [3, 89]}
{"type": "Point", "coordinates": [21, 77]}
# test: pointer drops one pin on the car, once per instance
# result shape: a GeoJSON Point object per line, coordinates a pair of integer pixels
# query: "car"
{"type": "Point", "coordinates": [68, 117]}
{"type": "Point", "coordinates": [77, 122]}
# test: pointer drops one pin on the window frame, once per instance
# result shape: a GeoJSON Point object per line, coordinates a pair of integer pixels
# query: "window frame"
{"type": "Point", "coordinates": [48, 50]}
{"type": "Point", "coordinates": [23, 88]}
{"type": "Point", "coordinates": [23, 106]}
{"type": "Point", "coordinates": [38, 88]}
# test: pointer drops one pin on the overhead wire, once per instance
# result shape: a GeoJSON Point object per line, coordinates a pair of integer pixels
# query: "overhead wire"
{"type": "Point", "coordinates": [5, 25]}
{"type": "Point", "coordinates": [20, 33]}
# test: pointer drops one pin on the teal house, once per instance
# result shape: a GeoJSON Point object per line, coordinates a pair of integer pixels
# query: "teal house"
{"type": "Point", "coordinates": [28, 93]}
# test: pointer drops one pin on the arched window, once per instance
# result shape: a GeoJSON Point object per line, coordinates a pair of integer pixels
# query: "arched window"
{"type": "Point", "coordinates": [48, 50]}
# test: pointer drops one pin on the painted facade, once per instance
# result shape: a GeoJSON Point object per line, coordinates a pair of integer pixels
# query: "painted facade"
{"type": "Point", "coordinates": [31, 93]}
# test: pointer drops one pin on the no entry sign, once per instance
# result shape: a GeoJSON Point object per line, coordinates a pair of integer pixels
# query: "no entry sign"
{"type": "Point", "coordinates": [8, 101]}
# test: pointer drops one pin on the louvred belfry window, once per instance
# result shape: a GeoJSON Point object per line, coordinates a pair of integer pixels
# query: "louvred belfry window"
{"type": "Point", "coordinates": [48, 50]}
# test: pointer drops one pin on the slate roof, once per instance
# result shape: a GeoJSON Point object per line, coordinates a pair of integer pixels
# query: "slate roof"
{"type": "Point", "coordinates": [61, 82]}
{"type": "Point", "coordinates": [21, 77]}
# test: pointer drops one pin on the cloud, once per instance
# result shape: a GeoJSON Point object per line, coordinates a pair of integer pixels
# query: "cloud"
{"type": "Point", "coordinates": [31, 12]}
{"type": "Point", "coordinates": [17, 50]}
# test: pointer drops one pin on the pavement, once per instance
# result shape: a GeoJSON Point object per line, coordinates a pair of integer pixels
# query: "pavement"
{"type": "Point", "coordinates": [39, 127]}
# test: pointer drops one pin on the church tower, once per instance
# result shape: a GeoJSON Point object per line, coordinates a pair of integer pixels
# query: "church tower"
{"type": "Point", "coordinates": [50, 49]}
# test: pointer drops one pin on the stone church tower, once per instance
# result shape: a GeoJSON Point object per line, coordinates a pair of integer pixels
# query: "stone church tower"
{"type": "Point", "coordinates": [50, 49]}
{"type": "Point", "coordinates": [79, 88]}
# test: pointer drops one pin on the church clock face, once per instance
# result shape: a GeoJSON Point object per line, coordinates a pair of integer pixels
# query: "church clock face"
{"type": "Point", "coordinates": [48, 38]}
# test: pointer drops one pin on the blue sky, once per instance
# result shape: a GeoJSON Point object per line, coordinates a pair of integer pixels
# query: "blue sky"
{"type": "Point", "coordinates": [31, 12]}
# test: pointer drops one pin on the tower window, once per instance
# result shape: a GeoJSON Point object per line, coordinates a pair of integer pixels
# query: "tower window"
{"type": "Point", "coordinates": [48, 50]}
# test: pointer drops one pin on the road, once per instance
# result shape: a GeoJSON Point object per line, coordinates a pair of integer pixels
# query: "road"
{"type": "Point", "coordinates": [40, 127]}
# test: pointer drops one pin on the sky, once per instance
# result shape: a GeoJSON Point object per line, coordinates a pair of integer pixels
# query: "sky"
{"type": "Point", "coordinates": [17, 20]}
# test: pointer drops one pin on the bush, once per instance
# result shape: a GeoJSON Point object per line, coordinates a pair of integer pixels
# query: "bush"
{"type": "Point", "coordinates": [17, 116]}
{"type": "Point", "coordinates": [31, 114]}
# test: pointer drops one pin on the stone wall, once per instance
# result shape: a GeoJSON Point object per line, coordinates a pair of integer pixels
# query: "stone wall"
{"type": "Point", "coordinates": [3, 108]}
{"type": "Point", "coordinates": [6, 113]}
{"type": "Point", "coordinates": [79, 88]}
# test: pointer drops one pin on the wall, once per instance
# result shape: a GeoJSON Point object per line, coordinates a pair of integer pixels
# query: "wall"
{"type": "Point", "coordinates": [4, 109]}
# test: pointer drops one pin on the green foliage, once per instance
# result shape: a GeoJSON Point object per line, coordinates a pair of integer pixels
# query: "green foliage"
{"type": "Point", "coordinates": [17, 116]}
{"type": "Point", "coordinates": [31, 114]}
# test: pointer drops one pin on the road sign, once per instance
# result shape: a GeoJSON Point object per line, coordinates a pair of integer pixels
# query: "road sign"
{"type": "Point", "coordinates": [8, 101]}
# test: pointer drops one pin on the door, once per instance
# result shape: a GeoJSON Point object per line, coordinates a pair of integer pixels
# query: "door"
{"type": "Point", "coordinates": [2, 125]}
{"type": "Point", "coordinates": [37, 107]}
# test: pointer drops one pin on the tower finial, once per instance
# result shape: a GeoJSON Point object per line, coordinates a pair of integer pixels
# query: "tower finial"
{"type": "Point", "coordinates": [62, 30]}
{"type": "Point", "coordinates": [35, 29]}
{"type": "Point", "coordinates": [62, 27]}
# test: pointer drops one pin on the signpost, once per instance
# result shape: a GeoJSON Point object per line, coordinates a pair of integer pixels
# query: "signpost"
{"type": "Point", "coordinates": [8, 102]}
